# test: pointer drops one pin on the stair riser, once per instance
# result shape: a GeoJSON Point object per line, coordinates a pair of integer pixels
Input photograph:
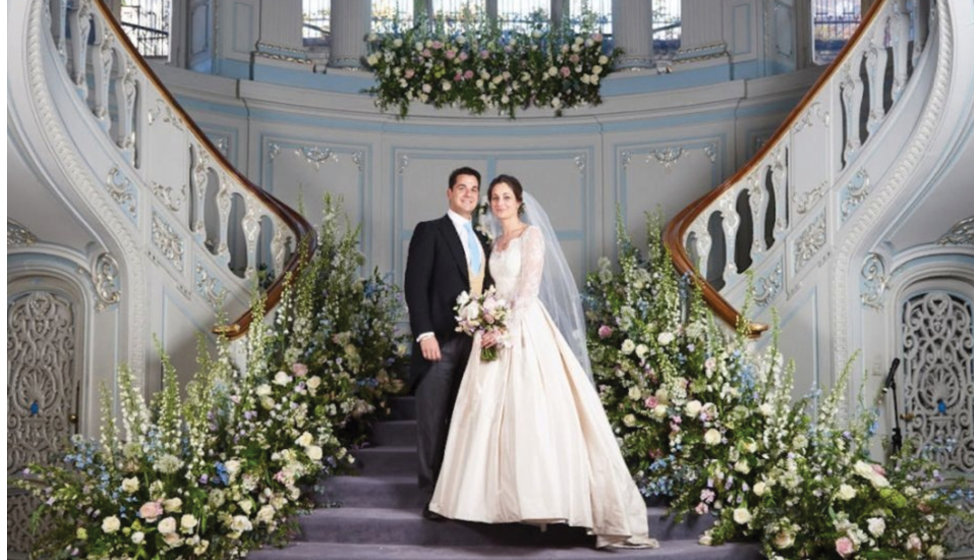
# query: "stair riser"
{"type": "Point", "coordinates": [387, 462]}
{"type": "Point", "coordinates": [364, 492]}
{"type": "Point", "coordinates": [401, 433]}
{"type": "Point", "coordinates": [402, 408]}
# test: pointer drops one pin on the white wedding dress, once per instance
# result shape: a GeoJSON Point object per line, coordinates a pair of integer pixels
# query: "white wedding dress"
{"type": "Point", "coordinates": [529, 440]}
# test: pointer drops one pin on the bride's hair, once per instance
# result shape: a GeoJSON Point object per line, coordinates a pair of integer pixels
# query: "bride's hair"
{"type": "Point", "coordinates": [514, 185]}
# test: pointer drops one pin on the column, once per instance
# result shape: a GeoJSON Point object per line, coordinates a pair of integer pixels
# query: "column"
{"type": "Point", "coordinates": [350, 22]}
{"type": "Point", "coordinates": [702, 35]}
{"type": "Point", "coordinates": [632, 32]}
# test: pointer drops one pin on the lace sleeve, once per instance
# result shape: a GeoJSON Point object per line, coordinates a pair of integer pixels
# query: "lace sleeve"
{"type": "Point", "coordinates": [532, 267]}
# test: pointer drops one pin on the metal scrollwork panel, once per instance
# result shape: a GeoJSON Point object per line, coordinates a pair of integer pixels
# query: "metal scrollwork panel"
{"type": "Point", "coordinates": [937, 340]}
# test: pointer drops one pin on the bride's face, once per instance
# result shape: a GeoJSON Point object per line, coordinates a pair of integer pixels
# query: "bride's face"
{"type": "Point", "coordinates": [503, 203]}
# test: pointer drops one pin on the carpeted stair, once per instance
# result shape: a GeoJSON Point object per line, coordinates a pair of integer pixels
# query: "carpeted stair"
{"type": "Point", "coordinates": [378, 515]}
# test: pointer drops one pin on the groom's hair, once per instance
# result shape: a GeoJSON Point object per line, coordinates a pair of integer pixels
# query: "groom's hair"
{"type": "Point", "coordinates": [463, 171]}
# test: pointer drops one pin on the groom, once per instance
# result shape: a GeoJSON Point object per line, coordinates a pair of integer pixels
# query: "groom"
{"type": "Point", "coordinates": [445, 257]}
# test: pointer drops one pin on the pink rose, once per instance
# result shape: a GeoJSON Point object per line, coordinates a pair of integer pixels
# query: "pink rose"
{"type": "Point", "coordinates": [150, 511]}
{"type": "Point", "coordinates": [409, 73]}
{"type": "Point", "coordinates": [426, 53]}
{"type": "Point", "coordinates": [844, 547]}
{"type": "Point", "coordinates": [300, 369]}
{"type": "Point", "coordinates": [878, 469]}
{"type": "Point", "coordinates": [651, 402]}
{"type": "Point", "coordinates": [565, 71]}
{"type": "Point", "coordinates": [450, 54]}
{"type": "Point", "coordinates": [701, 508]}
{"type": "Point", "coordinates": [468, 75]}
{"type": "Point", "coordinates": [437, 44]}
{"type": "Point", "coordinates": [573, 59]}
{"type": "Point", "coordinates": [605, 331]}
{"type": "Point", "coordinates": [597, 37]}
{"type": "Point", "coordinates": [462, 56]}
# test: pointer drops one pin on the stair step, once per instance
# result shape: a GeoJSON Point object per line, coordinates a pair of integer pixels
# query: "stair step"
{"type": "Point", "coordinates": [670, 550]}
{"type": "Point", "coordinates": [402, 408]}
{"type": "Point", "coordinates": [371, 491]}
{"type": "Point", "coordinates": [398, 433]}
{"type": "Point", "coordinates": [388, 460]}
{"type": "Point", "coordinates": [391, 526]}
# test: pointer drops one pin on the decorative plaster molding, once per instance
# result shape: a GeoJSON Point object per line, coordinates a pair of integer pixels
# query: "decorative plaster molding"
{"type": "Point", "coordinates": [960, 234]}
{"type": "Point", "coordinates": [767, 288]}
{"type": "Point", "coordinates": [580, 162]}
{"type": "Point", "coordinates": [402, 163]}
{"type": "Point", "coordinates": [18, 235]}
{"type": "Point", "coordinates": [940, 32]}
{"type": "Point", "coordinates": [167, 240]}
{"type": "Point", "coordinates": [316, 156]}
{"type": "Point", "coordinates": [105, 278]}
{"type": "Point", "coordinates": [874, 280]}
{"type": "Point", "coordinates": [813, 112]}
{"type": "Point", "coordinates": [274, 150]}
{"type": "Point", "coordinates": [357, 156]}
{"type": "Point", "coordinates": [666, 157]}
{"type": "Point", "coordinates": [626, 158]}
{"type": "Point", "coordinates": [123, 191]}
{"type": "Point", "coordinates": [165, 113]}
{"type": "Point", "coordinates": [166, 195]}
{"type": "Point", "coordinates": [208, 285]}
{"type": "Point", "coordinates": [711, 152]}
{"type": "Point", "coordinates": [808, 200]}
{"type": "Point", "coordinates": [854, 193]}
{"type": "Point", "coordinates": [809, 243]}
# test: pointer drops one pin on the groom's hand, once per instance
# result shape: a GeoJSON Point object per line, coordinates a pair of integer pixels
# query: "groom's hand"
{"type": "Point", "coordinates": [430, 349]}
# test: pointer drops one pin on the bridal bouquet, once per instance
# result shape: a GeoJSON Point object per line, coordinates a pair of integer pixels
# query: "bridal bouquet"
{"type": "Point", "coordinates": [486, 314]}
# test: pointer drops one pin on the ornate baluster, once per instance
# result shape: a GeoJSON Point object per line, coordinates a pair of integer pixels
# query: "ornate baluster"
{"type": "Point", "coordinates": [223, 199]}
{"type": "Point", "coordinates": [758, 203]}
{"type": "Point", "coordinates": [251, 228]}
{"type": "Point", "coordinates": [852, 90]}
{"type": "Point", "coordinates": [279, 242]}
{"type": "Point", "coordinates": [921, 14]}
{"type": "Point", "coordinates": [876, 63]}
{"type": "Point", "coordinates": [899, 41]}
{"type": "Point", "coordinates": [199, 182]}
{"type": "Point", "coordinates": [780, 188]}
{"type": "Point", "coordinates": [126, 107]}
{"type": "Point", "coordinates": [102, 74]}
{"type": "Point", "coordinates": [57, 11]}
{"type": "Point", "coordinates": [79, 24]}
{"type": "Point", "coordinates": [702, 238]}
{"type": "Point", "coordinates": [729, 225]}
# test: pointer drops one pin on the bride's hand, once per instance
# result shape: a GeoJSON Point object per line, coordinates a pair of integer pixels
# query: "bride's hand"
{"type": "Point", "coordinates": [487, 340]}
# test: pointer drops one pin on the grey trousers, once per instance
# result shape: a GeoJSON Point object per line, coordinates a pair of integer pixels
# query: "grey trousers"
{"type": "Point", "coordinates": [435, 395]}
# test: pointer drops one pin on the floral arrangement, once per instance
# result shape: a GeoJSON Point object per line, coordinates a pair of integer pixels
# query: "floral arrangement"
{"type": "Point", "coordinates": [225, 471]}
{"type": "Point", "coordinates": [479, 67]}
{"type": "Point", "coordinates": [484, 314]}
{"type": "Point", "coordinates": [708, 422]}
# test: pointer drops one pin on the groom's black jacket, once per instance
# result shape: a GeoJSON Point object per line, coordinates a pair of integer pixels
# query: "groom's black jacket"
{"type": "Point", "coordinates": [435, 274]}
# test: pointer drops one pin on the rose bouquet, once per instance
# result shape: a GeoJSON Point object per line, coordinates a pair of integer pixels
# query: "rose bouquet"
{"type": "Point", "coordinates": [485, 314]}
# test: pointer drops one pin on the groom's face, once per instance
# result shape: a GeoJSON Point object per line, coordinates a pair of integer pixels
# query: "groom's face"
{"type": "Point", "coordinates": [464, 195]}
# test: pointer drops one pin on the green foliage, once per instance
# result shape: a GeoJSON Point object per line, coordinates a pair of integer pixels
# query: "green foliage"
{"type": "Point", "coordinates": [479, 67]}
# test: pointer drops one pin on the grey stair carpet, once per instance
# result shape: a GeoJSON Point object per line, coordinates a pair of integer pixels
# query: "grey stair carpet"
{"type": "Point", "coordinates": [377, 514]}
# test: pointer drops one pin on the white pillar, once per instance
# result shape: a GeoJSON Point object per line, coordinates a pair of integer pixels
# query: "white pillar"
{"type": "Point", "coordinates": [350, 22]}
{"type": "Point", "coordinates": [703, 34]}
{"type": "Point", "coordinates": [632, 32]}
{"type": "Point", "coordinates": [281, 24]}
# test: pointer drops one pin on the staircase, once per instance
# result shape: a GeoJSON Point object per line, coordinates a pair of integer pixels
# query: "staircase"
{"type": "Point", "coordinates": [377, 514]}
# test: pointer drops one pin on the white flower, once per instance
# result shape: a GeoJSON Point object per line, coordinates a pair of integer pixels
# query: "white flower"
{"type": "Point", "coordinates": [642, 350]}
{"type": "Point", "coordinates": [759, 488]}
{"type": "Point", "coordinates": [313, 382]}
{"type": "Point", "coordinates": [427, 88]}
{"type": "Point", "coordinates": [187, 523]}
{"type": "Point", "coordinates": [553, 71]}
{"type": "Point", "coordinates": [742, 467]}
{"type": "Point", "coordinates": [130, 485]}
{"type": "Point", "coordinates": [799, 442]}
{"type": "Point", "coordinates": [167, 525]}
{"type": "Point", "coordinates": [110, 524]}
{"type": "Point", "coordinates": [263, 390]}
{"type": "Point", "coordinates": [314, 452]}
{"type": "Point", "coordinates": [635, 393]}
{"type": "Point", "coordinates": [629, 420]}
{"type": "Point", "coordinates": [168, 464]}
{"type": "Point", "coordinates": [305, 439]}
{"type": "Point", "coordinates": [282, 378]}
{"type": "Point", "coordinates": [373, 59]}
{"type": "Point", "coordinates": [137, 537]}
{"type": "Point", "coordinates": [603, 59]}
{"type": "Point", "coordinates": [447, 85]}
{"type": "Point", "coordinates": [936, 552]}
{"type": "Point", "coordinates": [741, 516]}
{"type": "Point", "coordinates": [265, 514]}
{"type": "Point", "coordinates": [766, 409]}
{"type": "Point", "coordinates": [692, 408]}
{"type": "Point", "coordinates": [846, 492]}
{"type": "Point", "coordinates": [398, 42]}
{"type": "Point", "coordinates": [628, 346]}
{"type": "Point", "coordinates": [173, 539]}
{"type": "Point", "coordinates": [876, 526]}
{"type": "Point", "coordinates": [705, 539]}
{"type": "Point", "coordinates": [201, 547]}
{"type": "Point", "coordinates": [660, 411]}
{"type": "Point", "coordinates": [665, 338]}
{"type": "Point", "coordinates": [712, 437]}
{"type": "Point", "coordinates": [784, 539]}
{"type": "Point", "coordinates": [240, 523]}
{"type": "Point", "coordinates": [233, 466]}
{"type": "Point", "coordinates": [463, 298]}
{"type": "Point", "coordinates": [172, 504]}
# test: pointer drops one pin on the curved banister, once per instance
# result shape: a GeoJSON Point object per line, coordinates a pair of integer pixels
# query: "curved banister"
{"type": "Point", "coordinates": [679, 227]}
{"type": "Point", "coordinates": [301, 228]}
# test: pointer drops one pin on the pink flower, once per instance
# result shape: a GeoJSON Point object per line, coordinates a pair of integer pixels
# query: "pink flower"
{"type": "Point", "coordinates": [457, 77]}
{"type": "Point", "coordinates": [437, 44]}
{"type": "Point", "coordinates": [409, 73]}
{"type": "Point", "coordinates": [484, 54]}
{"type": "Point", "coordinates": [605, 331]}
{"type": "Point", "coordinates": [701, 508]}
{"type": "Point", "coordinates": [597, 37]}
{"type": "Point", "coordinates": [651, 402]}
{"type": "Point", "coordinates": [844, 547]}
{"type": "Point", "coordinates": [462, 56]}
{"type": "Point", "coordinates": [565, 71]}
{"type": "Point", "coordinates": [300, 369]}
{"type": "Point", "coordinates": [426, 53]}
{"type": "Point", "coordinates": [150, 511]}
{"type": "Point", "coordinates": [450, 54]}
{"type": "Point", "coordinates": [468, 75]}
{"type": "Point", "coordinates": [573, 59]}
{"type": "Point", "coordinates": [878, 469]}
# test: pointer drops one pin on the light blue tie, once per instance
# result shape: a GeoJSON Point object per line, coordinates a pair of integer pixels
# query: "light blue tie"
{"type": "Point", "coordinates": [474, 248]}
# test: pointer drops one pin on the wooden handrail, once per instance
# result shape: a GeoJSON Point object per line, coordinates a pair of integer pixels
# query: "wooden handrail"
{"type": "Point", "coordinates": [673, 235]}
{"type": "Point", "coordinates": [304, 231]}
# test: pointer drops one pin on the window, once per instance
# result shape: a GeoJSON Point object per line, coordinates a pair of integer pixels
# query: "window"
{"type": "Point", "coordinates": [147, 23]}
{"type": "Point", "coordinates": [666, 28]}
{"type": "Point", "coordinates": [391, 15]}
{"type": "Point", "coordinates": [600, 9]}
{"type": "Point", "coordinates": [522, 14]}
{"type": "Point", "coordinates": [316, 22]}
{"type": "Point", "coordinates": [834, 21]}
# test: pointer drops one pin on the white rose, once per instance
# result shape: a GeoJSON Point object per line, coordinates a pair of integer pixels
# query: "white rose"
{"type": "Point", "coordinates": [313, 382]}
{"type": "Point", "coordinates": [187, 523]}
{"type": "Point", "coordinates": [784, 539]}
{"type": "Point", "coordinates": [712, 437]}
{"type": "Point", "coordinates": [130, 485]}
{"type": "Point", "coordinates": [846, 492]}
{"type": "Point", "coordinates": [936, 552]}
{"type": "Point", "coordinates": [742, 467]}
{"type": "Point", "coordinates": [642, 350]}
{"type": "Point", "coordinates": [759, 488]}
{"type": "Point", "coordinates": [267, 403]}
{"type": "Point", "coordinates": [265, 514]}
{"type": "Point", "coordinates": [167, 525]}
{"type": "Point", "coordinates": [660, 411]}
{"type": "Point", "coordinates": [305, 439]}
{"type": "Point", "coordinates": [314, 452]}
{"type": "Point", "coordinates": [447, 85]}
{"type": "Point", "coordinates": [705, 540]}
{"type": "Point", "coordinates": [603, 59]}
{"type": "Point", "coordinates": [876, 526]}
{"type": "Point", "coordinates": [282, 378]}
{"type": "Point", "coordinates": [741, 516]}
{"type": "Point", "coordinates": [766, 410]}
{"type": "Point", "coordinates": [137, 537]}
{"type": "Point", "coordinates": [665, 338]}
{"type": "Point", "coordinates": [635, 393]}
{"type": "Point", "coordinates": [173, 539]}
{"type": "Point", "coordinates": [692, 408]}
{"type": "Point", "coordinates": [629, 420]}
{"type": "Point", "coordinates": [263, 390]}
{"type": "Point", "coordinates": [597, 69]}
{"type": "Point", "coordinates": [246, 505]}
{"type": "Point", "coordinates": [201, 547]}
{"type": "Point", "coordinates": [553, 71]}
{"type": "Point", "coordinates": [240, 523]}
{"type": "Point", "coordinates": [172, 504]}
{"type": "Point", "coordinates": [628, 346]}
{"type": "Point", "coordinates": [398, 43]}
{"type": "Point", "coordinates": [110, 524]}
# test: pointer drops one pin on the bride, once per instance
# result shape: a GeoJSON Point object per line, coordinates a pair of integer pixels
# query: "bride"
{"type": "Point", "coordinates": [529, 440]}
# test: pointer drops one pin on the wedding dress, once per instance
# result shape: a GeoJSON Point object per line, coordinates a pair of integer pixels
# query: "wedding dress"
{"type": "Point", "coordinates": [529, 440]}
